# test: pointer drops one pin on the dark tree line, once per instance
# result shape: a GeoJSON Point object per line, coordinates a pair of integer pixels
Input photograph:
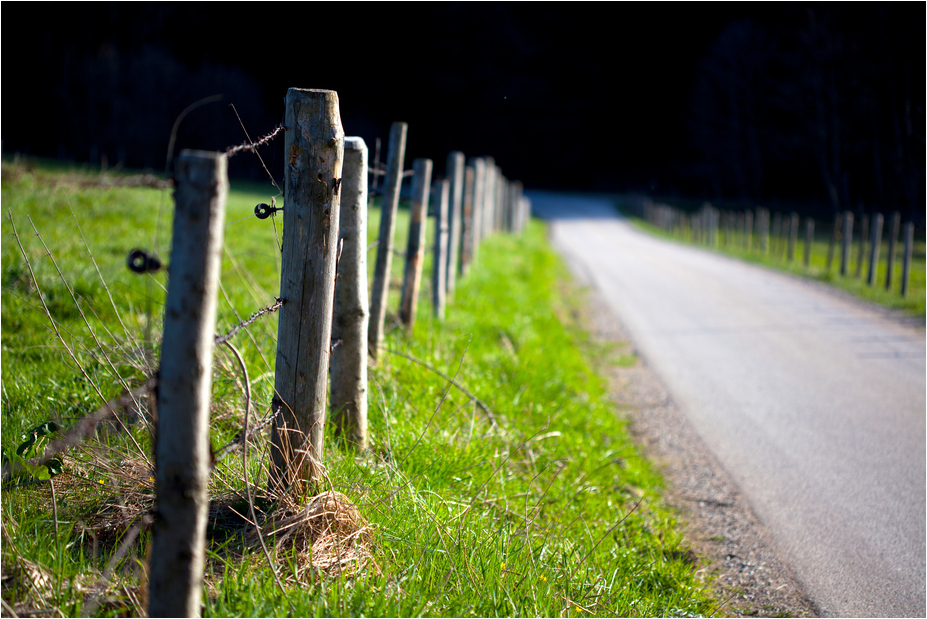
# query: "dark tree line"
{"type": "Point", "coordinates": [820, 103]}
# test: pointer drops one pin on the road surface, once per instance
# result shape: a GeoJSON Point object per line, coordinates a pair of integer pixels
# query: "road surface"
{"type": "Point", "coordinates": [813, 402]}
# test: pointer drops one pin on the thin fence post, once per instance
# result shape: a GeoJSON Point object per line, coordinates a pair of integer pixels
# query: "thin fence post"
{"type": "Point", "coordinates": [479, 176]}
{"type": "Point", "coordinates": [314, 158]}
{"type": "Point", "coordinates": [466, 237]}
{"type": "Point", "coordinates": [349, 329]}
{"type": "Point", "coordinates": [847, 242]}
{"type": "Point", "coordinates": [182, 454]}
{"type": "Point", "coordinates": [379, 294]}
{"type": "Point", "coordinates": [777, 234]}
{"type": "Point", "coordinates": [863, 237]}
{"type": "Point", "coordinates": [875, 246]}
{"type": "Point", "coordinates": [809, 240]}
{"type": "Point", "coordinates": [892, 245]}
{"type": "Point", "coordinates": [439, 277]}
{"type": "Point", "coordinates": [763, 214]}
{"type": "Point", "coordinates": [793, 235]}
{"type": "Point", "coordinates": [908, 254]}
{"type": "Point", "coordinates": [748, 229]}
{"type": "Point", "coordinates": [833, 242]}
{"type": "Point", "coordinates": [455, 174]}
{"type": "Point", "coordinates": [415, 250]}
{"type": "Point", "coordinates": [489, 196]}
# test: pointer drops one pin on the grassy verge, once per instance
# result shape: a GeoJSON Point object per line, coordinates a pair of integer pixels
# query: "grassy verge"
{"type": "Point", "coordinates": [536, 504]}
{"type": "Point", "coordinates": [914, 304]}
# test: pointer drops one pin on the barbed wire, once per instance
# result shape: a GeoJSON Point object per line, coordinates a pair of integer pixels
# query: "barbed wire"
{"type": "Point", "coordinates": [253, 146]}
{"type": "Point", "coordinates": [222, 339]}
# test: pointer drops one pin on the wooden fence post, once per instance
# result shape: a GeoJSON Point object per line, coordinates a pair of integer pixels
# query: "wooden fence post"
{"type": "Point", "coordinates": [489, 196]}
{"type": "Point", "coordinates": [379, 295]}
{"type": "Point", "coordinates": [863, 237]}
{"type": "Point", "coordinates": [875, 245]}
{"type": "Point", "coordinates": [892, 244]}
{"type": "Point", "coordinates": [314, 155]}
{"type": "Point", "coordinates": [809, 240]}
{"type": "Point", "coordinates": [908, 254]}
{"type": "Point", "coordinates": [793, 235]}
{"type": "Point", "coordinates": [415, 250]}
{"type": "Point", "coordinates": [439, 271]}
{"type": "Point", "coordinates": [763, 215]}
{"type": "Point", "coordinates": [349, 328]}
{"type": "Point", "coordinates": [748, 229]}
{"type": "Point", "coordinates": [847, 242]}
{"type": "Point", "coordinates": [479, 175]}
{"type": "Point", "coordinates": [183, 452]}
{"type": "Point", "coordinates": [455, 173]}
{"type": "Point", "coordinates": [833, 242]}
{"type": "Point", "coordinates": [466, 235]}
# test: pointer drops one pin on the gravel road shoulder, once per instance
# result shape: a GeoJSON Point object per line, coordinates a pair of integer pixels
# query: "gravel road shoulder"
{"type": "Point", "coordinates": [730, 542]}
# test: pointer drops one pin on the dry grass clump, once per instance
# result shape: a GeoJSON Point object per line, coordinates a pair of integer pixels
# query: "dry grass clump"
{"type": "Point", "coordinates": [325, 536]}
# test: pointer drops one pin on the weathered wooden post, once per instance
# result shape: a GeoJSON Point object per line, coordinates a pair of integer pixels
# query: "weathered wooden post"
{"type": "Point", "coordinates": [908, 254]}
{"type": "Point", "coordinates": [479, 170]}
{"type": "Point", "coordinates": [395, 159]}
{"type": "Point", "coordinates": [415, 250]}
{"type": "Point", "coordinates": [809, 240]}
{"type": "Point", "coordinates": [182, 454]}
{"type": "Point", "coordinates": [875, 246]}
{"type": "Point", "coordinates": [793, 235]}
{"type": "Point", "coordinates": [892, 244]}
{"type": "Point", "coordinates": [834, 237]}
{"type": "Point", "coordinates": [466, 240]}
{"type": "Point", "coordinates": [863, 237]}
{"type": "Point", "coordinates": [349, 329]}
{"type": "Point", "coordinates": [489, 196]}
{"type": "Point", "coordinates": [847, 242]}
{"type": "Point", "coordinates": [314, 155]}
{"type": "Point", "coordinates": [439, 270]}
{"type": "Point", "coordinates": [455, 174]}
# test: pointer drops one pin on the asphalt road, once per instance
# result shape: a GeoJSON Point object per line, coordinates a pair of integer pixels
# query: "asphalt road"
{"type": "Point", "coordinates": [813, 402]}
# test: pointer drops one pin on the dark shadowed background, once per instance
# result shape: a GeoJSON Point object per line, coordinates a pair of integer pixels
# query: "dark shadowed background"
{"type": "Point", "coordinates": [819, 104]}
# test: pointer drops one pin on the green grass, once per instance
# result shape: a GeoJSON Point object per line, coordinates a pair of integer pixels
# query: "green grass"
{"type": "Point", "coordinates": [914, 304]}
{"type": "Point", "coordinates": [544, 507]}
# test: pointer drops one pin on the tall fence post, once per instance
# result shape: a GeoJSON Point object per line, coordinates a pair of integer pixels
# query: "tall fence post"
{"type": "Point", "coordinates": [415, 250]}
{"type": "Point", "coordinates": [847, 242]}
{"type": "Point", "coordinates": [863, 237]}
{"type": "Point", "coordinates": [183, 452]}
{"type": "Point", "coordinates": [892, 245]}
{"type": "Point", "coordinates": [454, 171]}
{"type": "Point", "coordinates": [439, 276]}
{"type": "Point", "coordinates": [793, 235]}
{"type": "Point", "coordinates": [314, 155]}
{"type": "Point", "coordinates": [908, 254]}
{"type": "Point", "coordinates": [875, 246]}
{"type": "Point", "coordinates": [349, 329]}
{"type": "Point", "coordinates": [389, 205]}
{"type": "Point", "coordinates": [809, 240]}
{"type": "Point", "coordinates": [466, 236]}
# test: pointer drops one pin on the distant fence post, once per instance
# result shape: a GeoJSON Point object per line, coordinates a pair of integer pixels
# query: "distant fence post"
{"type": "Point", "coordinates": [748, 229]}
{"type": "Point", "coordinates": [314, 155]}
{"type": "Point", "coordinates": [847, 242]}
{"type": "Point", "coordinates": [389, 205]}
{"type": "Point", "coordinates": [439, 277]}
{"type": "Point", "coordinates": [793, 235]}
{"type": "Point", "coordinates": [415, 250]}
{"type": "Point", "coordinates": [908, 254]}
{"type": "Point", "coordinates": [489, 195]}
{"type": "Point", "coordinates": [183, 450]}
{"type": "Point", "coordinates": [863, 237]}
{"type": "Point", "coordinates": [777, 234]}
{"type": "Point", "coordinates": [875, 246]}
{"type": "Point", "coordinates": [833, 242]}
{"type": "Point", "coordinates": [476, 229]}
{"type": "Point", "coordinates": [349, 329]}
{"type": "Point", "coordinates": [892, 245]}
{"type": "Point", "coordinates": [763, 215]}
{"type": "Point", "coordinates": [454, 171]}
{"type": "Point", "coordinates": [809, 240]}
{"type": "Point", "coordinates": [466, 237]}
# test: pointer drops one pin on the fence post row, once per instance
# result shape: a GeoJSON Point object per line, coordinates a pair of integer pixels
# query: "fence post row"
{"type": "Point", "coordinates": [390, 204]}
{"type": "Point", "coordinates": [182, 452]}
{"type": "Point", "coordinates": [314, 155]}
{"type": "Point", "coordinates": [349, 328]}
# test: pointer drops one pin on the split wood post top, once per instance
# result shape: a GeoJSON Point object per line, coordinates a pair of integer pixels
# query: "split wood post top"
{"type": "Point", "coordinates": [183, 451]}
{"type": "Point", "coordinates": [349, 328]}
{"type": "Point", "coordinates": [314, 155]}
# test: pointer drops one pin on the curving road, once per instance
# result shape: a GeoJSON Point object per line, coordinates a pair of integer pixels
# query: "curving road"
{"type": "Point", "coordinates": [813, 402]}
